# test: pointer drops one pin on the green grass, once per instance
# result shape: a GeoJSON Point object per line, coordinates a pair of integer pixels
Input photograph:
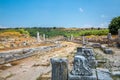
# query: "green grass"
{"type": "Point", "coordinates": [51, 32]}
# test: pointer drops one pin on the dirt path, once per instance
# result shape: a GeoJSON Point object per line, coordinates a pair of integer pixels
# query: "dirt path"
{"type": "Point", "coordinates": [31, 68]}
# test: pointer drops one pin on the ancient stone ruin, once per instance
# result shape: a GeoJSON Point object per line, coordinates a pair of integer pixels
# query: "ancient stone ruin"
{"type": "Point", "coordinates": [84, 67]}
{"type": "Point", "coordinates": [38, 37]}
{"type": "Point", "coordinates": [59, 69]}
{"type": "Point", "coordinates": [13, 55]}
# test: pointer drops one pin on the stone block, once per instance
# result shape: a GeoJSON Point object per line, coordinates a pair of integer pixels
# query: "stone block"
{"type": "Point", "coordinates": [116, 73]}
{"type": "Point", "coordinates": [96, 45]}
{"type": "Point", "coordinates": [59, 69]}
{"type": "Point", "coordinates": [88, 53]}
{"type": "Point", "coordinates": [109, 36]}
{"type": "Point", "coordinates": [104, 74]}
{"type": "Point", "coordinates": [81, 66]}
{"type": "Point", "coordinates": [78, 77]}
{"type": "Point", "coordinates": [108, 51]}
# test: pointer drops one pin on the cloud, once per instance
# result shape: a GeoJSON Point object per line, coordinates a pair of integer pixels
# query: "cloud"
{"type": "Point", "coordinates": [87, 26]}
{"type": "Point", "coordinates": [103, 16]}
{"type": "Point", "coordinates": [103, 25]}
{"type": "Point", "coordinates": [81, 10]}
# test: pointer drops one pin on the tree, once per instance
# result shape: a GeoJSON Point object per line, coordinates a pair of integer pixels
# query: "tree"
{"type": "Point", "coordinates": [114, 25]}
{"type": "Point", "coordinates": [22, 31]}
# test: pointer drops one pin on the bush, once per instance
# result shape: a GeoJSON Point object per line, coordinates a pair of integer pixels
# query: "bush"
{"type": "Point", "coordinates": [114, 25]}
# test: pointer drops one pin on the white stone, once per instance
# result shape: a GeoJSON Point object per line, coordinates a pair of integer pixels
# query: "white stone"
{"type": "Point", "coordinates": [44, 37]}
{"type": "Point", "coordinates": [109, 36]}
{"type": "Point", "coordinates": [8, 65]}
{"type": "Point", "coordinates": [38, 37]}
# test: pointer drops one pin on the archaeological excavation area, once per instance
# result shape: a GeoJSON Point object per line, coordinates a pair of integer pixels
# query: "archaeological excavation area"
{"type": "Point", "coordinates": [61, 58]}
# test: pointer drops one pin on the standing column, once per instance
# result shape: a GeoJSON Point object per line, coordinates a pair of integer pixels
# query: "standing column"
{"type": "Point", "coordinates": [71, 37]}
{"type": "Point", "coordinates": [109, 37]}
{"type": "Point", "coordinates": [44, 37]}
{"type": "Point", "coordinates": [119, 33]}
{"type": "Point", "coordinates": [83, 41]}
{"type": "Point", "coordinates": [59, 69]}
{"type": "Point", "coordinates": [38, 37]}
{"type": "Point", "coordinates": [118, 42]}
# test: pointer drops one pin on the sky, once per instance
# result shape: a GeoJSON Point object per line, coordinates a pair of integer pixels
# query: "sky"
{"type": "Point", "coordinates": [58, 13]}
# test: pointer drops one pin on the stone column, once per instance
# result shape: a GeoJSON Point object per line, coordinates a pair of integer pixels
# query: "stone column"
{"type": "Point", "coordinates": [71, 37]}
{"type": "Point", "coordinates": [38, 37]}
{"type": "Point", "coordinates": [83, 40]}
{"type": "Point", "coordinates": [59, 69]}
{"type": "Point", "coordinates": [118, 42]}
{"type": "Point", "coordinates": [44, 37]}
{"type": "Point", "coordinates": [109, 36]}
{"type": "Point", "coordinates": [118, 33]}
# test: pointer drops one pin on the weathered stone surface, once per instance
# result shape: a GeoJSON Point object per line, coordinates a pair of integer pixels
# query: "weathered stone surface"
{"type": "Point", "coordinates": [81, 69]}
{"type": "Point", "coordinates": [59, 69]}
{"type": "Point", "coordinates": [81, 66]}
{"type": "Point", "coordinates": [116, 73]}
{"type": "Point", "coordinates": [38, 37]}
{"type": "Point", "coordinates": [119, 33]}
{"type": "Point", "coordinates": [108, 51]}
{"type": "Point", "coordinates": [83, 40]}
{"type": "Point", "coordinates": [96, 45]}
{"type": "Point", "coordinates": [79, 50]}
{"type": "Point", "coordinates": [103, 47]}
{"type": "Point", "coordinates": [71, 38]}
{"type": "Point", "coordinates": [44, 37]}
{"type": "Point", "coordinates": [88, 53]}
{"type": "Point", "coordinates": [109, 37]}
{"type": "Point", "coordinates": [12, 55]}
{"type": "Point", "coordinates": [77, 77]}
{"type": "Point", "coordinates": [103, 74]}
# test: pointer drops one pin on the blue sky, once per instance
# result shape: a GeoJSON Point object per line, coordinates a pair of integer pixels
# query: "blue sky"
{"type": "Point", "coordinates": [59, 13]}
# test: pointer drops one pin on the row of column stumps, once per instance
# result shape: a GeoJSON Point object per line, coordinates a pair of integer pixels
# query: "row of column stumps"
{"type": "Point", "coordinates": [38, 37]}
{"type": "Point", "coordinates": [109, 37]}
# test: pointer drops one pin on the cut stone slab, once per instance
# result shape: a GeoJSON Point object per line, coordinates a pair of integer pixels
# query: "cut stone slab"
{"type": "Point", "coordinates": [116, 73]}
{"type": "Point", "coordinates": [96, 45]}
{"type": "Point", "coordinates": [108, 51]}
{"type": "Point", "coordinates": [78, 77]}
{"type": "Point", "coordinates": [103, 47]}
{"type": "Point", "coordinates": [104, 74]}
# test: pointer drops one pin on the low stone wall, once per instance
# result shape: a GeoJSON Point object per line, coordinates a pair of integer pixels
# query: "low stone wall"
{"type": "Point", "coordinates": [106, 49]}
{"type": "Point", "coordinates": [23, 53]}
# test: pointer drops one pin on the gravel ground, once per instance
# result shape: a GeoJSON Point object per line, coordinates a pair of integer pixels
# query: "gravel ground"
{"type": "Point", "coordinates": [113, 58]}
